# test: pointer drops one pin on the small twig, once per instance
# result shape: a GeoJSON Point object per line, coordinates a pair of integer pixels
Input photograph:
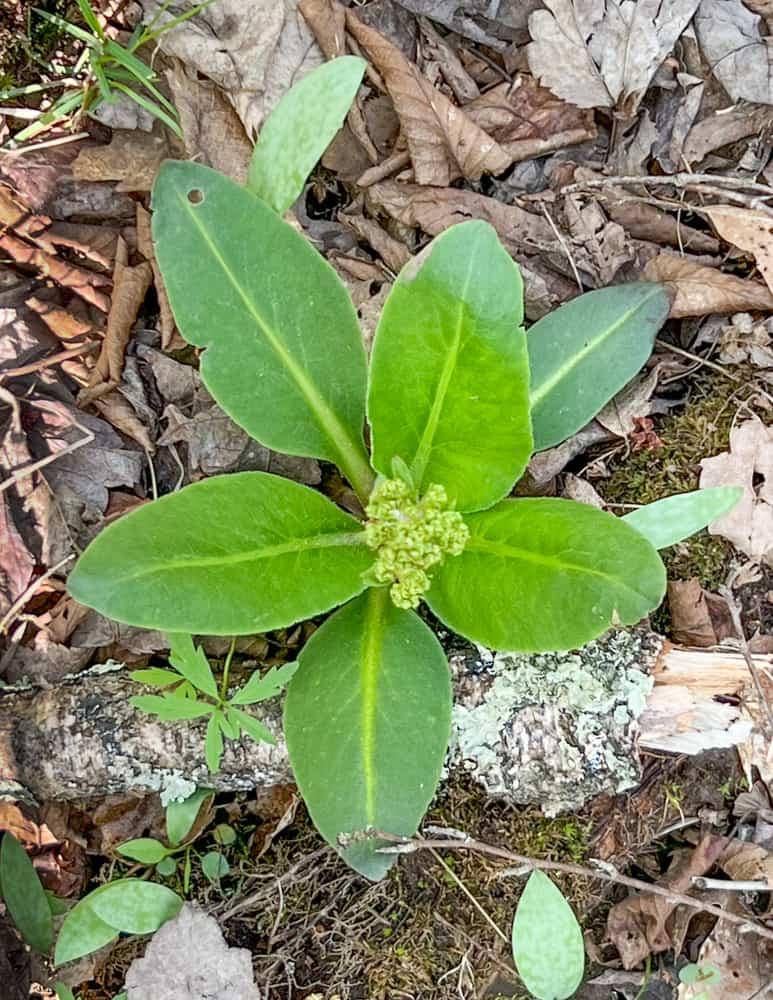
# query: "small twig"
{"type": "Point", "coordinates": [726, 885]}
{"type": "Point", "coordinates": [22, 599]}
{"type": "Point", "coordinates": [50, 361]}
{"type": "Point", "coordinates": [449, 870]}
{"type": "Point", "coordinates": [697, 359]}
{"type": "Point", "coordinates": [406, 845]}
{"type": "Point", "coordinates": [564, 247]}
{"type": "Point", "coordinates": [683, 180]}
{"type": "Point", "coordinates": [27, 470]}
{"type": "Point", "coordinates": [735, 614]}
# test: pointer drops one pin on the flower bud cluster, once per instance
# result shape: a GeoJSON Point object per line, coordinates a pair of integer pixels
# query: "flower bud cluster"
{"type": "Point", "coordinates": [410, 536]}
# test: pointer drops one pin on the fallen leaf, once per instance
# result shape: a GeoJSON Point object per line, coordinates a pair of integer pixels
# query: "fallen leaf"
{"type": "Point", "coordinates": [749, 231]}
{"type": "Point", "coordinates": [646, 222]}
{"type": "Point", "coordinates": [212, 131]}
{"type": "Point", "coordinates": [130, 285]}
{"type": "Point", "coordinates": [743, 339]}
{"type": "Point", "coordinates": [17, 564]}
{"type": "Point", "coordinates": [620, 414]}
{"type": "Point", "coordinates": [725, 127]}
{"type": "Point", "coordinates": [698, 617]}
{"type": "Point", "coordinates": [600, 248]}
{"type": "Point", "coordinates": [496, 23]}
{"type": "Point", "coordinates": [442, 140]}
{"type": "Point", "coordinates": [188, 959]}
{"type": "Point", "coordinates": [252, 49]}
{"type": "Point", "coordinates": [170, 338]}
{"type": "Point", "coordinates": [746, 862]}
{"type": "Point", "coordinates": [700, 290]}
{"type": "Point", "coordinates": [749, 464]}
{"type": "Point", "coordinates": [61, 322]}
{"type": "Point", "coordinates": [581, 490]}
{"type": "Point", "coordinates": [638, 926]}
{"type": "Point", "coordinates": [13, 821]}
{"type": "Point", "coordinates": [85, 283]}
{"type": "Point", "coordinates": [394, 254]}
{"type": "Point", "coordinates": [437, 49]}
{"type": "Point", "coordinates": [131, 157]}
{"type": "Point", "coordinates": [528, 120]}
{"type": "Point", "coordinates": [739, 56]}
{"type": "Point", "coordinates": [744, 961]}
{"type": "Point", "coordinates": [604, 54]}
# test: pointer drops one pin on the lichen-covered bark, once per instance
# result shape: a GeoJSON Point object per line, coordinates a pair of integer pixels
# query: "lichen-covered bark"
{"type": "Point", "coordinates": [550, 729]}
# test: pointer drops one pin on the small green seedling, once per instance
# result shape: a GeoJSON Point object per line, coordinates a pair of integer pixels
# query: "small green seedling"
{"type": "Point", "coordinates": [193, 693]}
{"type": "Point", "coordinates": [180, 820]}
{"type": "Point", "coordinates": [699, 975]}
{"type": "Point", "coordinates": [109, 70]}
{"type": "Point", "coordinates": [547, 941]}
{"type": "Point", "coordinates": [457, 396]}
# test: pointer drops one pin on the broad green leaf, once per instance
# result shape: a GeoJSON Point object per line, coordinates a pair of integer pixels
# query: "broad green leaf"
{"type": "Point", "coordinates": [581, 354]}
{"type": "Point", "coordinates": [171, 708]}
{"type": "Point", "coordinates": [367, 720]}
{"type": "Point", "coordinates": [82, 931]}
{"type": "Point", "coordinates": [24, 896]}
{"type": "Point", "coordinates": [449, 377]}
{"type": "Point", "coordinates": [284, 354]}
{"type": "Point", "coordinates": [213, 743]}
{"type": "Point", "coordinates": [547, 941]}
{"type": "Point", "coordinates": [666, 522]}
{"type": "Point", "coordinates": [231, 555]}
{"type": "Point", "coordinates": [544, 574]}
{"type": "Point", "coordinates": [180, 816]}
{"type": "Point", "coordinates": [134, 906]}
{"type": "Point", "coordinates": [155, 677]}
{"type": "Point", "coordinates": [260, 687]}
{"type": "Point", "coordinates": [192, 663]}
{"type": "Point", "coordinates": [215, 866]}
{"type": "Point", "coordinates": [228, 727]}
{"type": "Point", "coordinates": [299, 130]}
{"type": "Point", "coordinates": [252, 727]}
{"type": "Point", "coordinates": [148, 850]}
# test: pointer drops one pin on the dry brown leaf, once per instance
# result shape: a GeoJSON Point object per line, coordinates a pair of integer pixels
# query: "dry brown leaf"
{"type": "Point", "coordinates": [87, 284]}
{"type": "Point", "coordinates": [437, 49]}
{"type": "Point", "coordinates": [394, 254]}
{"type": "Point", "coordinates": [252, 49]}
{"type": "Point", "coordinates": [749, 231]}
{"type": "Point", "coordinates": [744, 961]}
{"type": "Point", "coordinates": [62, 323]}
{"type": "Point", "coordinates": [13, 820]}
{"type": "Point", "coordinates": [528, 120]}
{"type": "Point", "coordinates": [698, 617]}
{"type": "Point", "coordinates": [743, 339]}
{"type": "Point", "coordinates": [16, 561]}
{"type": "Point", "coordinates": [634, 401]}
{"type": "Point", "coordinates": [646, 222]}
{"type": "Point", "coordinates": [442, 140]}
{"type": "Point", "coordinates": [212, 131]}
{"type": "Point", "coordinates": [130, 285]}
{"type": "Point", "coordinates": [132, 157]}
{"type": "Point", "coordinates": [170, 338]}
{"type": "Point", "coordinates": [328, 22]}
{"type": "Point", "coordinates": [119, 412]}
{"type": "Point", "coordinates": [700, 290]}
{"type": "Point", "coordinates": [745, 862]}
{"type": "Point", "coordinates": [581, 490]}
{"type": "Point", "coordinates": [496, 23]}
{"type": "Point", "coordinates": [604, 54]}
{"type": "Point", "coordinates": [724, 127]}
{"type": "Point", "coordinates": [732, 42]}
{"type": "Point", "coordinates": [638, 925]}
{"type": "Point", "coordinates": [749, 464]}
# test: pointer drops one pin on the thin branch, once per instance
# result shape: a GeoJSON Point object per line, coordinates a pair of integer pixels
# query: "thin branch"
{"type": "Point", "coordinates": [408, 845]}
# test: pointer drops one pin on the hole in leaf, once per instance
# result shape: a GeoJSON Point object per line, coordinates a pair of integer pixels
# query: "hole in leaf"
{"type": "Point", "coordinates": [195, 197]}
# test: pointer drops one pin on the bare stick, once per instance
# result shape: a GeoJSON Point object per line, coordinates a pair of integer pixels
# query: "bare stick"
{"type": "Point", "coordinates": [407, 845]}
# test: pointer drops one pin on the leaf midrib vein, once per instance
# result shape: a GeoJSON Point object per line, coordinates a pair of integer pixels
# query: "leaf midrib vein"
{"type": "Point", "coordinates": [536, 396]}
{"type": "Point", "coordinates": [295, 545]}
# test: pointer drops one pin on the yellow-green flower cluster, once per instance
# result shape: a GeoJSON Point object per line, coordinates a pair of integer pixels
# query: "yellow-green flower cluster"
{"type": "Point", "coordinates": [410, 536]}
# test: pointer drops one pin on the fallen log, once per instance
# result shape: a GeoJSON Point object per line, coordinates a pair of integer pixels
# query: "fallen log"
{"type": "Point", "coordinates": [552, 729]}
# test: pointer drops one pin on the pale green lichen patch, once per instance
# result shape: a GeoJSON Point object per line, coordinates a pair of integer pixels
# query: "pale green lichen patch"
{"type": "Point", "coordinates": [411, 535]}
{"type": "Point", "coordinates": [557, 729]}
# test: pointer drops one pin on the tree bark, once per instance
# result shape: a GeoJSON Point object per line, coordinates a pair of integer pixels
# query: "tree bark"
{"type": "Point", "coordinates": [83, 737]}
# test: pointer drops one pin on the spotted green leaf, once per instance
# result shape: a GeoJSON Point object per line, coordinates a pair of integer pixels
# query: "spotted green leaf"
{"type": "Point", "coordinates": [449, 377]}
{"type": "Point", "coordinates": [283, 355]}
{"type": "Point", "coordinates": [299, 130]}
{"type": "Point", "coordinates": [547, 941]}
{"type": "Point", "coordinates": [367, 720]}
{"type": "Point", "coordinates": [230, 555]}
{"type": "Point", "coordinates": [666, 522]}
{"type": "Point", "coordinates": [545, 574]}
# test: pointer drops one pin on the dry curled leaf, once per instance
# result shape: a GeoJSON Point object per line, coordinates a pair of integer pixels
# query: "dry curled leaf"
{"type": "Point", "coordinates": [749, 464]}
{"type": "Point", "coordinates": [700, 291]}
{"type": "Point", "coordinates": [731, 39]}
{"type": "Point", "coordinates": [698, 617]}
{"type": "Point", "coordinates": [749, 231]}
{"type": "Point", "coordinates": [442, 139]}
{"type": "Point", "coordinates": [604, 54]}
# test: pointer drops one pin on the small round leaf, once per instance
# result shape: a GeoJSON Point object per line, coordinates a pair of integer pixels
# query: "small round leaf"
{"type": "Point", "coordinates": [215, 866]}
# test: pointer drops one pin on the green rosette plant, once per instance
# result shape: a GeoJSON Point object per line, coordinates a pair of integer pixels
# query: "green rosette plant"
{"type": "Point", "coordinates": [455, 396]}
